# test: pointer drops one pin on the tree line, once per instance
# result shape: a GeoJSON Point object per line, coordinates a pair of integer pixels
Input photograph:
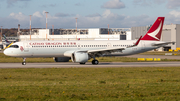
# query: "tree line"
{"type": "Point", "coordinates": [12, 32]}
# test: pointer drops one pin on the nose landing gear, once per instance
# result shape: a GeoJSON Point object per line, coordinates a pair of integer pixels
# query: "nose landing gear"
{"type": "Point", "coordinates": [24, 61]}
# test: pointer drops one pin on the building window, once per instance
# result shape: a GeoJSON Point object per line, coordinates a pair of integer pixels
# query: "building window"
{"type": "Point", "coordinates": [122, 37]}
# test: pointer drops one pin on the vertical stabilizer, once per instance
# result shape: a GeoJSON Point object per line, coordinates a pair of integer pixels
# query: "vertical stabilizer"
{"type": "Point", "coordinates": [154, 33]}
{"type": "Point", "coordinates": [6, 39]}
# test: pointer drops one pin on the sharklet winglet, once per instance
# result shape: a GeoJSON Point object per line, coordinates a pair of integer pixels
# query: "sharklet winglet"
{"type": "Point", "coordinates": [137, 42]}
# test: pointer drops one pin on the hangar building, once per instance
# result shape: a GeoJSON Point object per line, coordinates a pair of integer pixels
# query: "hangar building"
{"type": "Point", "coordinates": [81, 34]}
{"type": "Point", "coordinates": [170, 33]}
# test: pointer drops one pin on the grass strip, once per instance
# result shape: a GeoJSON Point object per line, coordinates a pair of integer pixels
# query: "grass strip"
{"type": "Point", "coordinates": [74, 84]}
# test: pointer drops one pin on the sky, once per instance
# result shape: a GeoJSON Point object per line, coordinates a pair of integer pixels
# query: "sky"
{"type": "Point", "coordinates": [90, 13]}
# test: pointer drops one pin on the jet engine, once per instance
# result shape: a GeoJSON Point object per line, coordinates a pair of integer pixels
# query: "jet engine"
{"type": "Point", "coordinates": [80, 57]}
{"type": "Point", "coordinates": [61, 59]}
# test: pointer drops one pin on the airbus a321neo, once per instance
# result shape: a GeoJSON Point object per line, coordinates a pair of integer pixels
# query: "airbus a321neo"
{"type": "Point", "coordinates": [81, 51]}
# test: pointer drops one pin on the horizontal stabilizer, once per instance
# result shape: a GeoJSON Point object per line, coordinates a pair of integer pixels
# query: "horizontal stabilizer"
{"type": "Point", "coordinates": [161, 44]}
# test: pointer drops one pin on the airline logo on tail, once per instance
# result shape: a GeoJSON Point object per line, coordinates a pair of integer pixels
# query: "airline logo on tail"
{"type": "Point", "coordinates": [154, 33]}
{"type": "Point", "coordinates": [6, 39]}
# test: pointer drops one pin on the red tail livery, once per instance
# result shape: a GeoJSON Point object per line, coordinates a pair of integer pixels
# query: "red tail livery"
{"type": "Point", "coordinates": [154, 33]}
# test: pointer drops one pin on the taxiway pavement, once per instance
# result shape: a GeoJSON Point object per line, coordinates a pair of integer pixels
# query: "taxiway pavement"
{"type": "Point", "coordinates": [154, 56]}
{"type": "Point", "coordinates": [88, 64]}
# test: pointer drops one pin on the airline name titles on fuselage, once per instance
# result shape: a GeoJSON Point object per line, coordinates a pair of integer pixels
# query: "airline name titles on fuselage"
{"type": "Point", "coordinates": [51, 43]}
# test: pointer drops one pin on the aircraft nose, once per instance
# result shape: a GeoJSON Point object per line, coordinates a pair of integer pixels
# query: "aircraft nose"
{"type": "Point", "coordinates": [6, 52]}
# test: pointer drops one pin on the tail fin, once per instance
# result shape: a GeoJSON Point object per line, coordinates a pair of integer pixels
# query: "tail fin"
{"type": "Point", "coordinates": [154, 33]}
{"type": "Point", "coordinates": [137, 42]}
{"type": "Point", "coordinates": [6, 39]}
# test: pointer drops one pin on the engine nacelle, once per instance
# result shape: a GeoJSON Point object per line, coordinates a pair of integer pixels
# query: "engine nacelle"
{"type": "Point", "coordinates": [80, 57]}
{"type": "Point", "coordinates": [61, 59]}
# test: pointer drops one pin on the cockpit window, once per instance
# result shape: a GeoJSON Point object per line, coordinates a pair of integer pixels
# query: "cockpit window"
{"type": "Point", "coordinates": [14, 46]}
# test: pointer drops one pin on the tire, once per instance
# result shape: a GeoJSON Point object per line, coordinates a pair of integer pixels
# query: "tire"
{"type": "Point", "coordinates": [82, 63]}
{"type": "Point", "coordinates": [95, 62]}
{"type": "Point", "coordinates": [23, 63]}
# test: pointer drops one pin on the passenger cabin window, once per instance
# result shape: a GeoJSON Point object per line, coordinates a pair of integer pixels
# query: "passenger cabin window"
{"type": "Point", "coordinates": [14, 46]}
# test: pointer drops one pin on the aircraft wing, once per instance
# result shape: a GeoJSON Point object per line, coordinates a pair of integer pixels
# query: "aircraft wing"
{"type": "Point", "coordinates": [100, 52]}
{"type": "Point", "coordinates": [165, 43]}
{"type": "Point", "coordinates": [106, 50]}
{"type": "Point", "coordinates": [109, 50]}
{"type": "Point", "coordinates": [97, 52]}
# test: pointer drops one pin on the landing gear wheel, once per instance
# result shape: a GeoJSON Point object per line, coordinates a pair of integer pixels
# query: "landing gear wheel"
{"type": "Point", "coordinates": [82, 63]}
{"type": "Point", "coordinates": [23, 63]}
{"type": "Point", "coordinates": [95, 62]}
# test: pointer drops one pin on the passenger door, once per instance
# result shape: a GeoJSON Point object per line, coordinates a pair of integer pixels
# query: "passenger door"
{"type": "Point", "coordinates": [79, 46]}
{"type": "Point", "coordinates": [26, 47]}
{"type": "Point", "coordinates": [142, 45]}
{"type": "Point", "coordinates": [109, 45]}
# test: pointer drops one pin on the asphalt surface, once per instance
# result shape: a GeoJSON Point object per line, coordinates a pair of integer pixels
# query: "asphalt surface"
{"type": "Point", "coordinates": [149, 56]}
{"type": "Point", "coordinates": [88, 64]}
{"type": "Point", "coordinates": [155, 56]}
{"type": "Point", "coordinates": [101, 64]}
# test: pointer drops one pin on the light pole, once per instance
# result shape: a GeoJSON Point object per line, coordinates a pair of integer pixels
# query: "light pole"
{"type": "Point", "coordinates": [46, 18]}
{"type": "Point", "coordinates": [46, 23]}
{"type": "Point", "coordinates": [1, 33]}
{"type": "Point", "coordinates": [53, 31]}
{"type": "Point", "coordinates": [108, 31]}
{"type": "Point", "coordinates": [76, 28]}
{"type": "Point", "coordinates": [30, 26]}
{"type": "Point", "coordinates": [76, 24]}
{"type": "Point", "coordinates": [18, 33]}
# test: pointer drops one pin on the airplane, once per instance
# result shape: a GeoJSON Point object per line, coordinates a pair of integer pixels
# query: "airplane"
{"type": "Point", "coordinates": [6, 42]}
{"type": "Point", "coordinates": [81, 51]}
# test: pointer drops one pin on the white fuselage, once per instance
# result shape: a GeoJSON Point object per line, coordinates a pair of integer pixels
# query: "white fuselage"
{"type": "Point", "coordinates": [59, 48]}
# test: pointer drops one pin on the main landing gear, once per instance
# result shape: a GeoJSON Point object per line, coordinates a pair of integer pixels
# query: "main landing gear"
{"type": "Point", "coordinates": [24, 61]}
{"type": "Point", "coordinates": [95, 62]}
{"type": "Point", "coordinates": [82, 63]}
